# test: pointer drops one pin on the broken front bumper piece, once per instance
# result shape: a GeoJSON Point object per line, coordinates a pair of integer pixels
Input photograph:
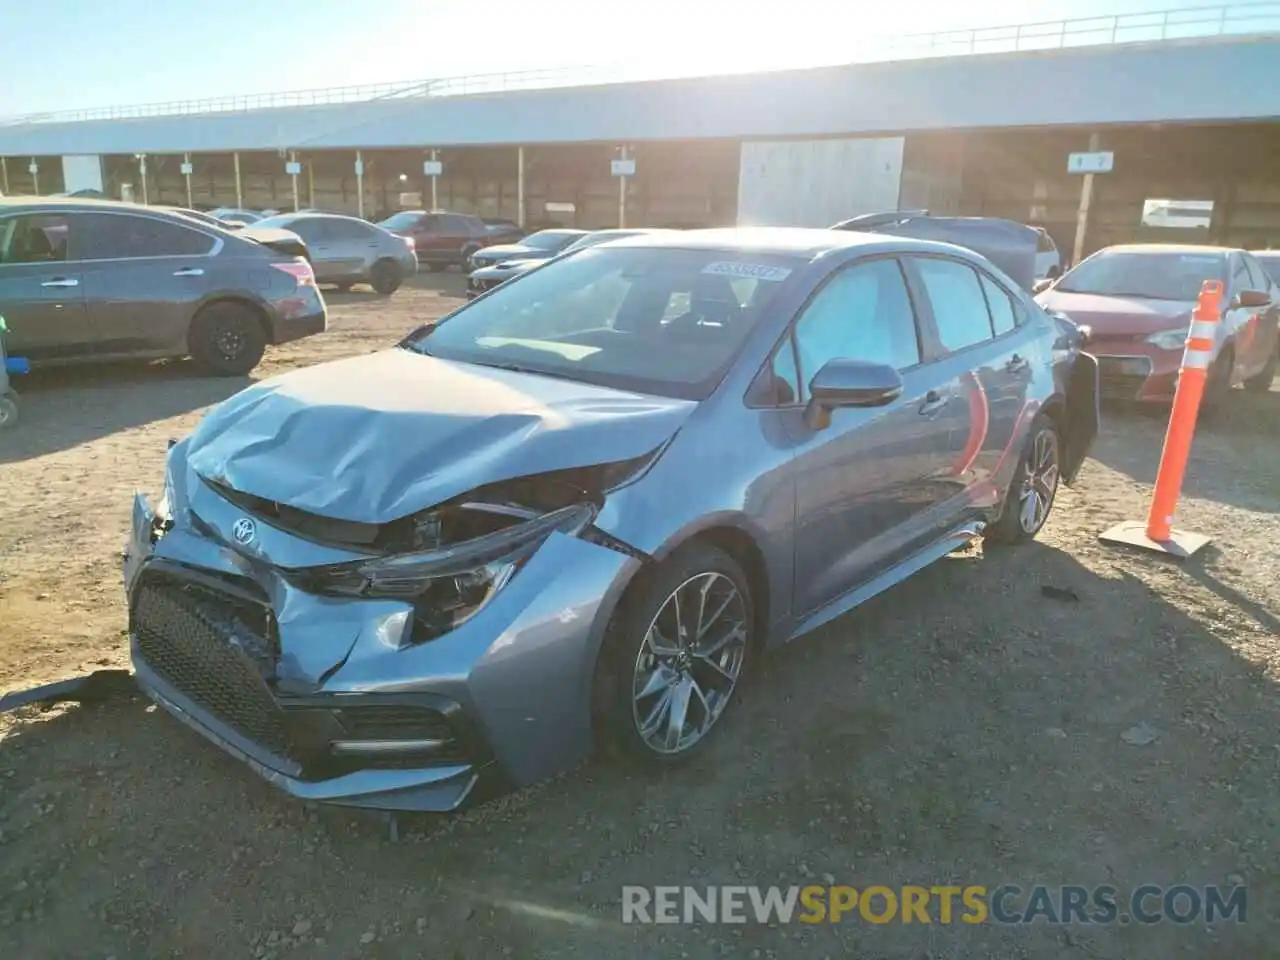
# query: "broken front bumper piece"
{"type": "Point", "coordinates": [329, 697]}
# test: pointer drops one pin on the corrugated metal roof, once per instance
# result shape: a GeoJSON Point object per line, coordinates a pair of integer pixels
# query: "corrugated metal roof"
{"type": "Point", "coordinates": [1199, 80]}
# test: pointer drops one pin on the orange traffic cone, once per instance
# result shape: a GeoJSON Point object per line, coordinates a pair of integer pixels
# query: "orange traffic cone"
{"type": "Point", "coordinates": [1157, 533]}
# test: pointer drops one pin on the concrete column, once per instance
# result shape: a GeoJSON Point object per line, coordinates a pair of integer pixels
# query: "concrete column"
{"type": "Point", "coordinates": [520, 186]}
{"type": "Point", "coordinates": [239, 189]}
{"type": "Point", "coordinates": [1082, 215]}
{"type": "Point", "coordinates": [34, 168]}
{"type": "Point", "coordinates": [622, 193]}
{"type": "Point", "coordinates": [293, 158]}
{"type": "Point", "coordinates": [435, 184]}
{"type": "Point", "coordinates": [311, 184]}
{"type": "Point", "coordinates": [142, 175]}
{"type": "Point", "coordinates": [186, 159]}
{"type": "Point", "coordinates": [359, 183]}
{"type": "Point", "coordinates": [4, 174]}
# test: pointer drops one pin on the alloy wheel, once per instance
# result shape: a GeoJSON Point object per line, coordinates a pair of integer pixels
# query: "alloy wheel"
{"type": "Point", "coordinates": [688, 666]}
{"type": "Point", "coordinates": [1040, 484]}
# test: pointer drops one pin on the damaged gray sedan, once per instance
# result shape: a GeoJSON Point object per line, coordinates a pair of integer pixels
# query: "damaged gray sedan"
{"type": "Point", "coordinates": [578, 508]}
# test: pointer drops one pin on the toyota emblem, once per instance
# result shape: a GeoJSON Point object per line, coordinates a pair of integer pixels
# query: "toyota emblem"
{"type": "Point", "coordinates": [244, 530]}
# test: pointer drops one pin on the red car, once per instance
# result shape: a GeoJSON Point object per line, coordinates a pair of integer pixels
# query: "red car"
{"type": "Point", "coordinates": [1138, 302]}
{"type": "Point", "coordinates": [440, 239]}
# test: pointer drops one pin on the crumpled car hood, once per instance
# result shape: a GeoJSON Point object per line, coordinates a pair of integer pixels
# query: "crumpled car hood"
{"type": "Point", "coordinates": [375, 438]}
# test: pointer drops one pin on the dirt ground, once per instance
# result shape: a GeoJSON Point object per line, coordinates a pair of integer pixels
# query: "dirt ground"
{"type": "Point", "coordinates": [962, 728]}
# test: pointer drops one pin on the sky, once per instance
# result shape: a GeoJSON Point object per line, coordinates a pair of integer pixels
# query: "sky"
{"type": "Point", "coordinates": [73, 54]}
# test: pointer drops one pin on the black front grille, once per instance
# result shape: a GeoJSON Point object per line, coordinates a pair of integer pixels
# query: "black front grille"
{"type": "Point", "coordinates": [217, 649]}
{"type": "Point", "coordinates": [375, 722]}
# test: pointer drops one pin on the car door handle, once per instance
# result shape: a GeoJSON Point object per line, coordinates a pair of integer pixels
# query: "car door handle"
{"type": "Point", "coordinates": [61, 282]}
{"type": "Point", "coordinates": [189, 272]}
{"type": "Point", "coordinates": [933, 402]}
{"type": "Point", "coordinates": [1017, 364]}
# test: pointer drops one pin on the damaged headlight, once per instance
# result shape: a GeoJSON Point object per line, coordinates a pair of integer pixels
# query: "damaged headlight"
{"type": "Point", "coordinates": [450, 584]}
{"type": "Point", "coordinates": [1169, 339]}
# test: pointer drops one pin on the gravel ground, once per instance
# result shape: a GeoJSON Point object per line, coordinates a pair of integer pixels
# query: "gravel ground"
{"type": "Point", "coordinates": [962, 728]}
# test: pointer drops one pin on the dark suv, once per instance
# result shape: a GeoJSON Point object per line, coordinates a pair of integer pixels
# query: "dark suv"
{"type": "Point", "coordinates": [441, 239]}
{"type": "Point", "coordinates": [84, 280]}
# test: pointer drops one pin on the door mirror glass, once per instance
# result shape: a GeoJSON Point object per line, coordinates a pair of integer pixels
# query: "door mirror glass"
{"type": "Point", "coordinates": [1251, 299]}
{"type": "Point", "coordinates": [851, 383]}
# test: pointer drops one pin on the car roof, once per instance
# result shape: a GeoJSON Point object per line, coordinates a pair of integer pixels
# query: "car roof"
{"type": "Point", "coordinates": [562, 232]}
{"type": "Point", "coordinates": [1264, 254]}
{"type": "Point", "coordinates": [1166, 248]}
{"type": "Point", "coordinates": [313, 215]}
{"type": "Point", "coordinates": [802, 242]}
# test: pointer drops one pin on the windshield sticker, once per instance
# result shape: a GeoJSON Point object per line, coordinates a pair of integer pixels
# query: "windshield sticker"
{"type": "Point", "coordinates": [747, 271]}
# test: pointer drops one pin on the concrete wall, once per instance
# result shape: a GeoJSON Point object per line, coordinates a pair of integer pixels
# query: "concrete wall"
{"type": "Point", "coordinates": [816, 183]}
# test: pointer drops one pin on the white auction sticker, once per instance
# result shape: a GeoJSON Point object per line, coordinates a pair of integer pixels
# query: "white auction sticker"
{"type": "Point", "coordinates": [753, 271]}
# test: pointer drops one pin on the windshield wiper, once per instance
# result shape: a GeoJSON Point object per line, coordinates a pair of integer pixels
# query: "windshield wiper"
{"type": "Point", "coordinates": [521, 368]}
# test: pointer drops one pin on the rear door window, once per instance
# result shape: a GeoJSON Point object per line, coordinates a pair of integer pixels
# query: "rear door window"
{"type": "Point", "coordinates": [348, 230]}
{"type": "Point", "coordinates": [1004, 313]}
{"type": "Point", "coordinates": [36, 238]}
{"type": "Point", "coordinates": [959, 305]}
{"type": "Point", "coordinates": [455, 226]}
{"type": "Point", "coordinates": [123, 236]}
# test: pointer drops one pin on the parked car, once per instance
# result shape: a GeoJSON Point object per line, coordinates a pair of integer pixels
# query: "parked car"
{"type": "Point", "coordinates": [346, 250]}
{"type": "Point", "coordinates": [236, 215]}
{"type": "Point", "coordinates": [86, 280]}
{"type": "Point", "coordinates": [1138, 301]}
{"type": "Point", "coordinates": [576, 509]}
{"type": "Point", "coordinates": [503, 231]}
{"type": "Point", "coordinates": [537, 246]}
{"type": "Point", "coordinates": [440, 239]}
{"type": "Point", "coordinates": [486, 278]}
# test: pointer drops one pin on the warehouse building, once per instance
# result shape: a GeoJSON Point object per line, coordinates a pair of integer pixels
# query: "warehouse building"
{"type": "Point", "coordinates": [1186, 124]}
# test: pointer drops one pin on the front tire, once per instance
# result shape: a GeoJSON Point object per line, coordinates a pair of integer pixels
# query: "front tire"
{"type": "Point", "coordinates": [8, 411]}
{"type": "Point", "coordinates": [1034, 489]}
{"type": "Point", "coordinates": [675, 656]}
{"type": "Point", "coordinates": [1261, 381]}
{"type": "Point", "coordinates": [227, 339]}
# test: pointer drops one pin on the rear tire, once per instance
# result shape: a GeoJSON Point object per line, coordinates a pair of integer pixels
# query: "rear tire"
{"type": "Point", "coordinates": [227, 339]}
{"type": "Point", "coordinates": [8, 411]}
{"type": "Point", "coordinates": [469, 251]}
{"type": "Point", "coordinates": [385, 277]}
{"type": "Point", "coordinates": [1034, 489]}
{"type": "Point", "coordinates": [662, 656]}
{"type": "Point", "coordinates": [1261, 382]}
{"type": "Point", "coordinates": [343, 287]}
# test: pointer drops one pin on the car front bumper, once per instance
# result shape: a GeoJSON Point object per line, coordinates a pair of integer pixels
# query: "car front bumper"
{"type": "Point", "coordinates": [1137, 371]}
{"type": "Point", "coordinates": [322, 695]}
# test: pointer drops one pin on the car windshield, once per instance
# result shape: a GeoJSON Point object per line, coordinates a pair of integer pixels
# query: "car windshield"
{"type": "Point", "coordinates": [1271, 263]}
{"type": "Point", "coordinates": [400, 221]}
{"type": "Point", "coordinates": [660, 321]}
{"type": "Point", "coordinates": [1159, 275]}
{"type": "Point", "coordinates": [548, 239]}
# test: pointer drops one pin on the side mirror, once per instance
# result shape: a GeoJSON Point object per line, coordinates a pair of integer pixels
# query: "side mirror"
{"type": "Point", "coordinates": [1042, 285]}
{"type": "Point", "coordinates": [1250, 300]}
{"type": "Point", "coordinates": [850, 383]}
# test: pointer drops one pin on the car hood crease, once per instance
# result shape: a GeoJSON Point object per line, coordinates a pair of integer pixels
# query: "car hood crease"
{"type": "Point", "coordinates": [376, 438]}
